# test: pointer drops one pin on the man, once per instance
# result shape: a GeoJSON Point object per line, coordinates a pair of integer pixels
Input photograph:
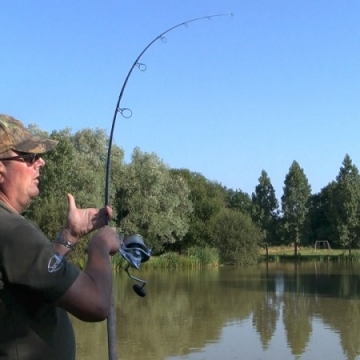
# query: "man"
{"type": "Point", "coordinates": [38, 286]}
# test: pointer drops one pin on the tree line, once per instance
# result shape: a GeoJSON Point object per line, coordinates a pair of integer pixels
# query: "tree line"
{"type": "Point", "coordinates": [176, 209]}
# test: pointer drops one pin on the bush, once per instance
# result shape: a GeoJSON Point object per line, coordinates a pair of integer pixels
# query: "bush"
{"type": "Point", "coordinates": [236, 237]}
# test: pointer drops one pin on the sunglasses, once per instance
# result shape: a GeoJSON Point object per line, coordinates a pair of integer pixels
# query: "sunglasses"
{"type": "Point", "coordinates": [27, 158]}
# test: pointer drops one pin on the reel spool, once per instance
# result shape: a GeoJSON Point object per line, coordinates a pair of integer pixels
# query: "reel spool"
{"type": "Point", "coordinates": [134, 251]}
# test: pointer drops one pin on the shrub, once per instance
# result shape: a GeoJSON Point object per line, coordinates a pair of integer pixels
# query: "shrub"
{"type": "Point", "coordinates": [236, 237]}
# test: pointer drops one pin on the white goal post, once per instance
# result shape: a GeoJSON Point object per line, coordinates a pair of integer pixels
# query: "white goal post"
{"type": "Point", "coordinates": [322, 245]}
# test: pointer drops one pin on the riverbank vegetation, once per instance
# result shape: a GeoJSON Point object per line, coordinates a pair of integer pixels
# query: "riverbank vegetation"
{"type": "Point", "coordinates": [188, 219]}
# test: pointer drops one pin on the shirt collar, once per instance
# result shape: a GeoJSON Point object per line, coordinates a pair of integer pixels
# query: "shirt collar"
{"type": "Point", "coordinates": [7, 208]}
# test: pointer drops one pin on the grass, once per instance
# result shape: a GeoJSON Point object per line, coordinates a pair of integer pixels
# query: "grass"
{"type": "Point", "coordinates": [308, 251]}
{"type": "Point", "coordinates": [278, 253]}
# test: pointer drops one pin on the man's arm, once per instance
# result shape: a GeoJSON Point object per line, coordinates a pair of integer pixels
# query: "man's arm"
{"type": "Point", "coordinates": [89, 297]}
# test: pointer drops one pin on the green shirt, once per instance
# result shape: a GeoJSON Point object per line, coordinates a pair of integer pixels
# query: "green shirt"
{"type": "Point", "coordinates": [31, 279]}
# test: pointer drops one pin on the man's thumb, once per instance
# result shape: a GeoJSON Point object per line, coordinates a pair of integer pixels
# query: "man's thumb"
{"type": "Point", "coordinates": [71, 202]}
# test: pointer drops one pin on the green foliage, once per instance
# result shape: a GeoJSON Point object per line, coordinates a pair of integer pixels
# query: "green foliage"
{"type": "Point", "coordinates": [207, 198]}
{"type": "Point", "coordinates": [203, 256]}
{"type": "Point", "coordinates": [321, 217]}
{"type": "Point", "coordinates": [239, 200]}
{"type": "Point", "coordinates": [153, 202]}
{"type": "Point", "coordinates": [265, 210]}
{"type": "Point", "coordinates": [49, 214]}
{"type": "Point", "coordinates": [236, 237]}
{"type": "Point", "coordinates": [335, 210]}
{"type": "Point", "coordinates": [60, 171]}
{"type": "Point", "coordinates": [345, 208]}
{"type": "Point", "coordinates": [295, 206]}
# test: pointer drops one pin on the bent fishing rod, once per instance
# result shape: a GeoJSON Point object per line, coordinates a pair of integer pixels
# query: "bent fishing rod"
{"type": "Point", "coordinates": [133, 244]}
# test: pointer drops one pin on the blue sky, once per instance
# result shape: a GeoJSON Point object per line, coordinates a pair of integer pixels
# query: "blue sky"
{"type": "Point", "coordinates": [228, 97]}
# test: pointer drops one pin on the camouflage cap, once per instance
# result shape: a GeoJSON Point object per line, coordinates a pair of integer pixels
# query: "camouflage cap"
{"type": "Point", "coordinates": [14, 135]}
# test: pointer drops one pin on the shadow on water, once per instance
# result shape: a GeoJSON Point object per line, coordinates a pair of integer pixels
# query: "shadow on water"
{"type": "Point", "coordinates": [186, 311]}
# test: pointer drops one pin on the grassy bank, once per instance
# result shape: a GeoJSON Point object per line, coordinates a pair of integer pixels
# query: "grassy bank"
{"type": "Point", "coordinates": [193, 258]}
{"type": "Point", "coordinates": [204, 257]}
{"type": "Point", "coordinates": [285, 253]}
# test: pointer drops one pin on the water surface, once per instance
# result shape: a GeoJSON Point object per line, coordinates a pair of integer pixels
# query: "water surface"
{"type": "Point", "coordinates": [271, 311]}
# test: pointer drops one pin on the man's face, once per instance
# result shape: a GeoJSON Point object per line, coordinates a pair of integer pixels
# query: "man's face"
{"type": "Point", "coordinates": [19, 179]}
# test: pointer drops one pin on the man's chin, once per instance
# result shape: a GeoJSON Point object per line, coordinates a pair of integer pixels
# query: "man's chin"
{"type": "Point", "coordinates": [34, 194]}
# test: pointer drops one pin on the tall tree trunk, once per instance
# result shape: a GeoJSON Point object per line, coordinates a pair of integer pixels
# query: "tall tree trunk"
{"type": "Point", "coordinates": [295, 248]}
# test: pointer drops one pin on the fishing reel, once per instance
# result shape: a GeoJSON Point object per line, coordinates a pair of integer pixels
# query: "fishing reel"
{"type": "Point", "coordinates": [134, 251]}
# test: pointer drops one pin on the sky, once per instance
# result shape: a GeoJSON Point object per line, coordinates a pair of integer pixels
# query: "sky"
{"type": "Point", "coordinates": [228, 96]}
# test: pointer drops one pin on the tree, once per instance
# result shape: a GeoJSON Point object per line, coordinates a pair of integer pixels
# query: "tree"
{"type": "Point", "coordinates": [346, 204]}
{"type": "Point", "coordinates": [91, 147]}
{"type": "Point", "coordinates": [153, 202]}
{"type": "Point", "coordinates": [266, 208]}
{"type": "Point", "coordinates": [239, 200]}
{"type": "Point", "coordinates": [207, 198]}
{"type": "Point", "coordinates": [295, 206]}
{"type": "Point", "coordinates": [321, 219]}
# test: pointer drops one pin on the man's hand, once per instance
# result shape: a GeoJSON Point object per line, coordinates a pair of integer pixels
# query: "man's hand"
{"type": "Point", "coordinates": [83, 221]}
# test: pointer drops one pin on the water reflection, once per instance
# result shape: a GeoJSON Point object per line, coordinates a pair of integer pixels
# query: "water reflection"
{"type": "Point", "coordinates": [276, 310]}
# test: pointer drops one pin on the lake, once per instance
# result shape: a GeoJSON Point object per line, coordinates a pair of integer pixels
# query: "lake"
{"type": "Point", "coordinates": [308, 310]}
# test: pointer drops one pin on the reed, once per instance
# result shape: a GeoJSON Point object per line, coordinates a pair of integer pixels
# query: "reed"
{"type": "Point", "coordinates": [193, 258]}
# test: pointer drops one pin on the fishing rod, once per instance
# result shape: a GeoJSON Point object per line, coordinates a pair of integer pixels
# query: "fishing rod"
{"type": "Point", "coordinates": [135, 243]}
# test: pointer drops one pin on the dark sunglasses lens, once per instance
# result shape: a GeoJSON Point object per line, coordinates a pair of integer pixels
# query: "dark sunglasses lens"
{"type": "Point", "coordinates": [36, 157]}
{"type": "Point", "coordinates": [31, 158]}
